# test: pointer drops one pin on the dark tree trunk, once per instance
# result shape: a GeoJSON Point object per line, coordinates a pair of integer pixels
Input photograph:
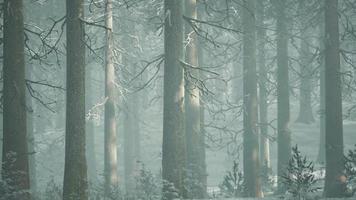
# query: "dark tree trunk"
{"type": "Point", "coordinates": [250, 117]}
{"type": "Point", "coordinates": [335, 181]}
{"type": "Point", "coordinates": [283, 112]}
{"type": "Point", "coordinates": [75, 184]}
{"type": "Point", "coordinates": [174, 146]}
{"type": "Point", "coordinates": [15, 167]}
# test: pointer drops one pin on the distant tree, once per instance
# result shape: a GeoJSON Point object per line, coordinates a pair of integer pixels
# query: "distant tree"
{"type": "Point", "coordinates": [283, 109]}
{"type": "Point", "coordinates": [174, 146]}
{"type": "Point", "coordinates": [306, 69]}
{"type": "Point", "coordinates": [15, 166]}
{"type": "Point", "coordinates": [250, 114]}
{"type": "Point", "coordinates": [321, 152]}
{"type": "Point", "coordinates": [335, 180]}
{"type": "Point", "coordinates": [75, 184]}
{"type": "Point", "coordinates": [31, 137]}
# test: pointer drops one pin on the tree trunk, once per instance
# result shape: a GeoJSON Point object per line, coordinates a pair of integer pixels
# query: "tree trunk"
{"type": "Point", "coordinates": [250, 116]}
{"type": "Point", "coordinates": [110, 173]}
{"type": "Point", "coordinates": [262, 81]}
{"type": "Point", "coordinates": [31, 139]}
{"type": "Point", "coordinates": [15, 167]}
{"type": "Point", "coordinates": [174, 146]}
{"type": "Point", "coordinates": [321, 153]}
{"type": "Point", "coordinates": [196, 188]}
{"type": "Point", "coordinates": [90, 130]}
{"type": "Point", "coordinates": [305, 89]}
{"type": "Point", "coordinates": [131, 141]}
{"type": "Point", "coordinates": [75, 184]}
{"type": "Point", "coordinates": [335, 181]}
{"type": "Point", "coordinates": [283, 112]}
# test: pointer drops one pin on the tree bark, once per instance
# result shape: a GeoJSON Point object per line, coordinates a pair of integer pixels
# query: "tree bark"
{"type": "Point", "coordinates": [75, 184]}
{"type": "Point", "coordinates": [111, 163]}
{"type": "Point", "coordinates": [250, 117]}
{"type": "Point", "coordinates": [174, 146]}
{"type": "Point", "coordinates": [335, 180]}
{"type": "Point", "coordinates": [15, 169]}
{"type": "Point", "coordinates": [262, 81]}
{"type": "Point", "coordinates": [283, 111]}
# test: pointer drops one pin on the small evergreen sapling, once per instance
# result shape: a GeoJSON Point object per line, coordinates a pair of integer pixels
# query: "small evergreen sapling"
{"type": "Point", "coordinates": [299, 178]}
{"type": "Point", "coordinates": [233, 183]}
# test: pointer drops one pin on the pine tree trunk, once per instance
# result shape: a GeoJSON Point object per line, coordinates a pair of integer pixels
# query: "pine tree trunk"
{"type": "Point", "coordinates": [262, 81]}
{"type": "Point", "coordinates": [174, 146]}
{"type": "Point", "coordinates": [283, 111]}
{"type": "Point", "coordinates": [250, 117]}
{"type": "Point", "coordinates": [110, 171]}
{"type": "Point", "coordinates": [75, 184]}
{"type": "Point", "coordinates": [335, 181]}
{"type": "Point", "coordinates": [15, 166]}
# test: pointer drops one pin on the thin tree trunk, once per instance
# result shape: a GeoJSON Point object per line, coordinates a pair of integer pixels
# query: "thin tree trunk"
{"type": "Point", "coordinates": [31, 139]}
{"type": "Point", "coordinates": [321, 153]}
{"type": "Point", "coordinates": [90, 130]}
{"type": "Point", "coordinates": [305, 89]}
{"type": "Point", "coordinates": [111, 163]}
{"type": "Point", "coordinates": [262, 81]}
{"type": "Point", "coordinates": [284, 134]}
{"type": "Point", "coordinates": [335, 181]}
{"type": "Point", "coordinates": [131, 142]}
{"type": "Point", "coordinates": [75, 184]}
{"type": "Point", "coordinates": [250, 117]}
{"type": "Point", "coordinates": [15, 167]}
{"type": "Point", "coordinates": [174, 146]}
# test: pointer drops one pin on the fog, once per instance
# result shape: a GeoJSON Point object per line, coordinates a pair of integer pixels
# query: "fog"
{"type": "Point", "coordinates": [178, 99]}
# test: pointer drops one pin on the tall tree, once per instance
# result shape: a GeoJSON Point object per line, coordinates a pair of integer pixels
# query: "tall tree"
{"type": "Point", "coordinates": [192, 104]}
{"type": "Point", "coordinates": [174, 146]}
{"type": "Point", "coordinates": [335, 181]}
{"type": "Point", "coordinates": [262, 83]}
{"type": "Point", "coordinates": [31, 137]}
{"type": "Point", "coordinates": [321, 152]}
{"type": "Point", "coordinates": [75, 184]}
{"type": "Point", "coordinates": [250, 116]}
{"type": "Point", "coordinates": [131, 118]}
{"type": "Point", "coordinates": [90, 129]}
{"type": "Point", "coordinates": [283, 110]}
{"type": "Point", "coordinates": [305, 88]}
{"type": "Point", "coordinates": [15, 167]}
{"type": "Point", "coordinates": [110, 171]}
{"type": "Point", "coordinates": [202, 76]}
